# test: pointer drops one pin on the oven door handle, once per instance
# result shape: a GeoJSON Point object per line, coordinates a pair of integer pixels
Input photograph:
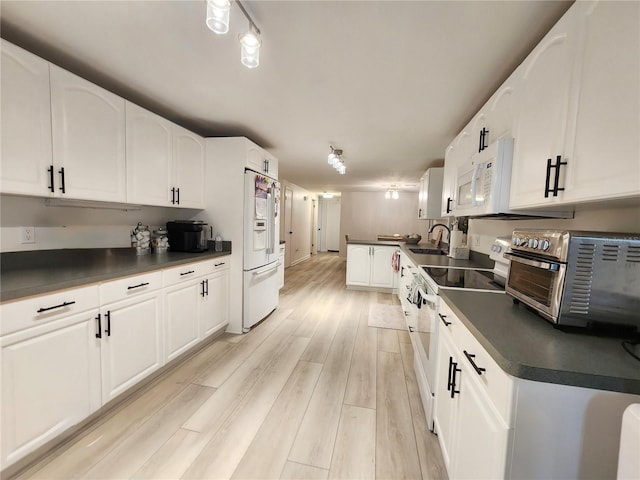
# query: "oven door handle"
{"type": "Point", "coordinates": [534, 263]}
{"type": "Point", "coordinates": [426, 297]}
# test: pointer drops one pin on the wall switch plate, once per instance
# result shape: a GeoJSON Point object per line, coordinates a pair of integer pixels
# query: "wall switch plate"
{"type": "Point", "coordinates": [27, 234]}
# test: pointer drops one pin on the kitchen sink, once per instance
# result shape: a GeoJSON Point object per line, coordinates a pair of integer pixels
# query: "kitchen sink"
{"type": "Point", "coordinates": [427, 251]}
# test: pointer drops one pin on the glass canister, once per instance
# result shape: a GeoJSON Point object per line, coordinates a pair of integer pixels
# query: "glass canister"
{"type": "Point", "coordinates": [160, 240]}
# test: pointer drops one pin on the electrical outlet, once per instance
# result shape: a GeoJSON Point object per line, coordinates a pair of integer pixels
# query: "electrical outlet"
{"type": "Point", "coordinates": [27, 234]}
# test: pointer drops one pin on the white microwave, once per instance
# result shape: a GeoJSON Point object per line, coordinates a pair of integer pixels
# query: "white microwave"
{"type": "Point", "coordinates": [483, 186]}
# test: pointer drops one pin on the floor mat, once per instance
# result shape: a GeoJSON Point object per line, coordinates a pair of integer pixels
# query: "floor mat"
{"type": "Point", "coordinates": [387, 316]}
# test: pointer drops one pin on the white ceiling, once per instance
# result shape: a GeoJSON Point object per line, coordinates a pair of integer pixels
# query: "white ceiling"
{"type": "Point", "coordinates": [389, 82]}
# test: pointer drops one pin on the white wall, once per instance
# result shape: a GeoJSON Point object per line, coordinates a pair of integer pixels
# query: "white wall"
{"type": "Point", "coordinates": [74, 227]}
{"type": "Point", "coordinates": [365, 215]}
{"type": "Point", "coordinates": [602, 218]}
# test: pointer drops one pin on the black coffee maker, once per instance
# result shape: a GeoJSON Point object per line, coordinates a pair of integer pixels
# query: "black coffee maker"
{"type": "Point", "coordinates": [187, 236]}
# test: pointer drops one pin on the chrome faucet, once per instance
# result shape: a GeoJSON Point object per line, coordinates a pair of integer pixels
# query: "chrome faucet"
{"type": "Point", "coordinates": [443, 226]}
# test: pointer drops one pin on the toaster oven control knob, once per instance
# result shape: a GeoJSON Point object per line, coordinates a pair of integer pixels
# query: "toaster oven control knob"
{"type": "Point", "coordinates": [516, 241]}
{"type": "Point", "coordinates": [533, 243]}
{"type": "Point", "coordinates": [523, 242]}
{"type": "Point", "coordinates": [544, 245]}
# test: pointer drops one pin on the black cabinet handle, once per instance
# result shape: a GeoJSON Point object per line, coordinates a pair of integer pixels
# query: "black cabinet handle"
{"type": "Point", "coordinates": [402, 271]}
{"type": "Point", "coordinates": [138, 286]}
{"type": "Point", "coordinates": [99, 330]}
{"type": "Point", "coordinates": [411, 330]}
{"type": "Point", "coordinates": [50, 170]}
{"type": "Point", "coordinates": [178, 196]}
{"type": "Point", "coordinates": [207, 284]}
{"type": "Point", "coordinates": [218, 264]}
{"type": "Point", "coordinates": [449, 199]}
{"type": "Point", "coordinates": [483, 137]}
{"type": "Point", "coordinates": [449, 374]}
{"type": "Point", "coordinates": [65, 304]}
{"type": "Point", "coordinates": [556, 188]}
{"type": "Point", "coordinates": [470, 357]}
{"type": "Point", "coordinates": [187, 273]}
{"type": "Point", "coordinates": [108, 317]}
{"type": "Point", "coordinates": [419, 212]}
{"type": "Point", "coordinates": [62, 187]}
{"type": "Point", "coordinates": [442, 317]}
{"type": "Point", "coordinates": [454, 370]}
{"type": "Point", "coordinates": [173, 196]}
{"type": "Point", "coordinates": [203, 292]}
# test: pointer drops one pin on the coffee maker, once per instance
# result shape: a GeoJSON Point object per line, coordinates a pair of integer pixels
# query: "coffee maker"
{"type": "Point", "coordinates": [187, 236]}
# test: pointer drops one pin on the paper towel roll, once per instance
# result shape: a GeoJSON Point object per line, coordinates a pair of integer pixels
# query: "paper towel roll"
{"type": "Point", "coordinates": [456, 238]}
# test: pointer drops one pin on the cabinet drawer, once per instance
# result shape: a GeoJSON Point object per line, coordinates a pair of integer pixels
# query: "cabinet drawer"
{"type": "Point", "coordinates": [36, 311]}
{"type": "Point", "coordinates": [492, 379]}
{"type": "Point", "coordinates": [215, 265]}
{"type": "Point", "coordinates": [175, 275]}
{"type": "Point", "coordinates": [129, 287]}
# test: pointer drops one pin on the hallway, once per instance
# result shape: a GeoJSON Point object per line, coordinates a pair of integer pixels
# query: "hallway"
{"type": "Point", "coordinates": [311, 392]}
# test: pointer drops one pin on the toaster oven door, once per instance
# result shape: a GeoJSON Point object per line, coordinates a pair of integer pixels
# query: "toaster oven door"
{"type": "Point", "coordinates": [537, 283]}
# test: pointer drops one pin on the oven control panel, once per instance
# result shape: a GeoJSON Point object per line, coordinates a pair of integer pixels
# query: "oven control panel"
{"type": "Point", "coordinates": [551, 243]}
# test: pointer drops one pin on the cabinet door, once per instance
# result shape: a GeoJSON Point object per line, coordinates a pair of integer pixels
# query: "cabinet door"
{"type": "Point", "coordinates": [181, 326]}
{"type": "Point", "coordinates": [149, 157]}
{"type": "Point", "coordinates": [256, 159]}
{"type": "Point", "coordinates": [445, 406]}
{"type": "Point", "coordinates": [88, 138]}
{"type": "Point", "coordinates": [131, 343]}
{"type": "Point", "coordinates": [188, 157]}
{"type": "Point", "coordinates": [381, 272]}
{"type": "Point", "coordinates": [50, 382]}
{"type": "Point", "coordinates": [449, 180]}
{"type": "Point", "coordinates": [214, 305]}
{"type": "Point", "coordinates": [605, 158]}
{"type": "Point", "coordinates": [480, 434]}
{"type": "Point", "coordinates": [26, 123]}
{"type": "Point", "coordinates": [543, 106]}
{"type": "Point", "coordinates": [358, 264]}
{"type": "Point", "coordinates": [501, 109]}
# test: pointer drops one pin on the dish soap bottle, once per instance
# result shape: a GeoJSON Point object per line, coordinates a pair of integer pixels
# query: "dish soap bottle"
{"type": "Point", "coordinates": [218, 243]}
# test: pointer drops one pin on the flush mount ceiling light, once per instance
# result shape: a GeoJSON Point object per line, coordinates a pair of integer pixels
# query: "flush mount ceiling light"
{"type": "Point", "coordinates": [218, 21]}
{"type": "Point", "coordinates": [335, 160]}
{"type": "Point", "coordinates": [392, 193]}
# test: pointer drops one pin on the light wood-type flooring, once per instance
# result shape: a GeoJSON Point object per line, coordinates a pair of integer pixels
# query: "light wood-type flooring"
{"type": "Point", "coordinates": [311, 392]}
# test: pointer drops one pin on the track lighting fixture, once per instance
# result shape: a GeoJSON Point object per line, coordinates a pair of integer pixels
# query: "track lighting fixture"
{"type": "Point", "coordinates": [392, 193]}
{"type": "Point", "coordinates": [218, 21]}
{"type": "Point", "coordinates": [335, 160]}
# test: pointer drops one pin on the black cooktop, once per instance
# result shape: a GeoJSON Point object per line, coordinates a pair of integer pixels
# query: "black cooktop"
{"type": "Point", "coordinates": [460, 278]}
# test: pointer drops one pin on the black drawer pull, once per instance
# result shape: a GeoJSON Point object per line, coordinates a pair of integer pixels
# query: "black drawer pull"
{"type": "Point", "coordinates": [219, 264]}
{"type": "Point", "coordinates": [99, 331]}
{"type": "Point", "coordinates": [108, 317]}
{"type": "Point", "coordinates": [470, 357]}
{"type": "Point", "coordinates": [442, 317]}
{"type": "Point", "coordinates": [65, 304]}
{"type": "Point", "coordinates": [138, 286]}
{"type": "Point", "coordinates": [411, 330]}
{"type": "Point", "coordinates": [449, 200]}
{"type": "Point", "coordinates": [187, 273]}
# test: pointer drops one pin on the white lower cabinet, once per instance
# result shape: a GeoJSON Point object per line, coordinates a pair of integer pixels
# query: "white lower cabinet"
{"type": "Point", "coordinates": [214, 305]}
{"type": "Point", "coordinates": [50, 382]}
{"type": "Point", "coordinates": [370, 266]}
{"type": "Point", "coordinates": [181, 329]}
{"type": "Point", "coordinates": [131, 343]}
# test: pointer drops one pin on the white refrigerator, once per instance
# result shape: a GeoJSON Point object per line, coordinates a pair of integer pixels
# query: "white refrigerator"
{"type": "Point", "coordinates": [261, 247]}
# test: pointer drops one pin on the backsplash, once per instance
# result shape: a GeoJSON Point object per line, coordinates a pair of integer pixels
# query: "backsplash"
{"type": "Point", "coordinates": [613, 219]}
{"type": "Point", "coordinates": [75, 227]}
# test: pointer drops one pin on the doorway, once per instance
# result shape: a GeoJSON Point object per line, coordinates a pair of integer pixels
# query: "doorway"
{"type": "Point", "coordinates": [329, 228]}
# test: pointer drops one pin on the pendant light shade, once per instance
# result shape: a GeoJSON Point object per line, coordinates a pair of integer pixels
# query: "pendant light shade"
{"type": "Point", "coordinates": [250, 49]}
{"type": "Point", "coordinates": [218, 15]}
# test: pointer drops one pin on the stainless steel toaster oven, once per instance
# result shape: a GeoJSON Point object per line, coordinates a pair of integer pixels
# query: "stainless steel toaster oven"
{"type": "Point", "coordinates": [578, 279]}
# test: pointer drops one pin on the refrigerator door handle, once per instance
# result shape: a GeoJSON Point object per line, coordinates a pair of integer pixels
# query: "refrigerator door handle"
{"type": "Point", "coordinates": [266, 270]}
{"type": "Point", "coordinates": [271, 222]}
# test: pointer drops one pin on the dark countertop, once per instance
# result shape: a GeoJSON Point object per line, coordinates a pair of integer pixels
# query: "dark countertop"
{"type": "Point", "coordinates": [527, 346]}
{"type": "Point", "coordinates": [24, 274]}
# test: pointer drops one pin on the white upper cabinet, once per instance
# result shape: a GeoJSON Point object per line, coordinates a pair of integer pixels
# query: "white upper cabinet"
{"type": "Point", "coordinates": [188, 158]}
{"type": "Point", "coordinates": [604, 136]}
{"type": "Point", "coordinates": [88, 125]}
{"type": "Point", "coordinates": [261, 161]}
{"type": "Point", "coordinates": [430, 195]}
{"type": "Point", "coordinates": [448, 181]}
{"type": "Point", "coordinates": [26, 122]}
{"type": "Point", "coordinates": [501, 109]}
{"type": "Point", "coordinates": [149, 157]}
{"type": "Point", "coordinates": [543, 105]}
{"type": "Point", "coordinates": [165, 162]}
{"type": "Point", "coordinates": [577, 134]}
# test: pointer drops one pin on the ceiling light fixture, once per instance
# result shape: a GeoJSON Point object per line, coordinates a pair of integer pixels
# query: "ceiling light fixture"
{"type": "Point", "coordinates": [392, 193]}
{"type": "Point", "coordinates": [335, 160]}
{"type": "Point", "coordinates": [218, 15]}
{"type": "Point", "coordinates": [250, 43]}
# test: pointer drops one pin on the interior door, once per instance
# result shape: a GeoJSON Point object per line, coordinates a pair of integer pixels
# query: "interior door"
{"type": "Point", "coordinates": [332, 229]}
{"type": "Point", "coordinates": [288, 233]}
